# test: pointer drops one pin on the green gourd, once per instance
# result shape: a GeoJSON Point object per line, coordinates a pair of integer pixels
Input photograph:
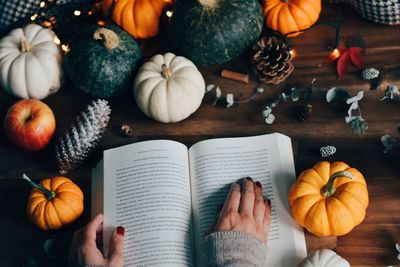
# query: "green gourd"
{"type": "Point", "coordinates": [214, 31]}
{"type": "Point", "coordinates": [102, 61]}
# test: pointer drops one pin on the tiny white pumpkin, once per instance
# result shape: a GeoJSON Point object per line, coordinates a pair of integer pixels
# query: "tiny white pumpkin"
{"type": "Point", "coordinates": [324, 258]}
{"type": "Point", "coordinates": [30, 62]}
{"type": "Point", "coordinates": [169, 88]}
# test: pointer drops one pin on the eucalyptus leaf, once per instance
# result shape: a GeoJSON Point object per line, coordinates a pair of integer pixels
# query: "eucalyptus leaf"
{"type": "Point", "coordinates": [210, 87]}
{"type": "Point", "coordinates": [270, 119]}
{"type": "Point", "coordinates": [295, 95]}
{"type": "Point", "coordinates": [342, 94]}
{"type": "Point", "coordinates": [355, 98]}
{"type": "Point", "coordinates": [266, 112]}
{"type": "Point", "coordinates": [218, 92]}
{"type": "Point", "coordinates": [229, 100]}
{"type": "Point", "coordinates": [30, 262]}
{"type": "Point", "coordinates": [48, 246]}
{"type": "Point", "coordinates": [350, 119]}
{"type": "Point", "coordinates": [308, 93]}
{"type": "Point", "coordinates": [359, 126]}
{"type": "Point", "coordinates": [331, 94]}
{"type": "Point", "coordinates": [353, 106]}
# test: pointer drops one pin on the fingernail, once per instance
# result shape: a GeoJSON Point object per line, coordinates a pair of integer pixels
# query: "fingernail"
{"type": "Point", "coordinates": [121, 230]}
{"type": "Point", "coordinates": [269, 202]}
{"type": "Point", "coordinates": [258, 184]}
{"type": "Point", "coordinates": [249, 179]}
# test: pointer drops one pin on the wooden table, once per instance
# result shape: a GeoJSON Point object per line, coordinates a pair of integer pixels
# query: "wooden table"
{"type": "Point", "coordinates": [370, 244]}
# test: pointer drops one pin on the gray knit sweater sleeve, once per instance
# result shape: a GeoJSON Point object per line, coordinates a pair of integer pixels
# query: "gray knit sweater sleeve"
{"type": "Point", "coordinates": [234, 249]}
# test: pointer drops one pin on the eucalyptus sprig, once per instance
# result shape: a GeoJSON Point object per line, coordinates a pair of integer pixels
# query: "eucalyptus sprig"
{"type": "Point", "coordinates": [229, 99]}
{"type": "Point", "coordinates": [357, 122]}
{"type": "Point", "coordinates": [392, 93]}
{"type": "Point", "coordinates": [294, 93]}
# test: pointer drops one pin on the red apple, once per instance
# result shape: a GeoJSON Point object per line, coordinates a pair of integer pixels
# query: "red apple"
{"type": "Point", "coordinates": [30, 124]}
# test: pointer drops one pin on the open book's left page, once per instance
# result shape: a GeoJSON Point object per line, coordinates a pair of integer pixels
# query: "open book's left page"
{"type": "Point", "coordinates": [146, 188]}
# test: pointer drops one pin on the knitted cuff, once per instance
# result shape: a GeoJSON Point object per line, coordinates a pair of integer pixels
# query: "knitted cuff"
{"type": "Point", "coordinates": [234, 249]}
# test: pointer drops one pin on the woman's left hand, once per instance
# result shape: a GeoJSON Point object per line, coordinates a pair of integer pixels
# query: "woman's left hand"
{"type": "Point", "coordinates": [84, 250]}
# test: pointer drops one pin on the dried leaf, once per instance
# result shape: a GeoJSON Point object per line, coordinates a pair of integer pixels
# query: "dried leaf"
{"type": "Point", "coordinates": [353, 106]}
{"type": "Point", "coordinates": [398, 247]}
{"type": "Point", "coordinates": [355, 56]}
{"type": "Point", "coordinates": [343, 63]}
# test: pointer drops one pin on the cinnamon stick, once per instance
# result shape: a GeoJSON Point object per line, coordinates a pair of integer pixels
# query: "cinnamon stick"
{"type": "Point", "coordinates": [236, 76]}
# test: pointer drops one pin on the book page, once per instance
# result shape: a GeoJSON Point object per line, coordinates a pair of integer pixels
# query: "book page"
{"type": "Point", "coordinates": [215, 164]}
{"type": "Point", "coordinates": [147, 190]}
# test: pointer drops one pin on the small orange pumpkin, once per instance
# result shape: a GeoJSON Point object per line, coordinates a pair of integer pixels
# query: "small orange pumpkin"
{"type": "Point", "coordinates": [54, 202]}
{"type": "Point", "coordinates": [140, 18]}
{"type": "Point", "coordinates": [291, 16]}
{"type": "Point", "coordinates": [329, 199]}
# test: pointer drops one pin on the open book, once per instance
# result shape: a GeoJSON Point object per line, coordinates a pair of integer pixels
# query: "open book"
{"type": "Point", "coordinates": [167, 196]}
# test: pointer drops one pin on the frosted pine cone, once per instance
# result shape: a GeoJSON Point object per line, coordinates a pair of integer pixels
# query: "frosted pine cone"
{"type": "Point", "coordinates": [327, 151]}
{"type": "Point", "coordinates": [272, 60]}
{"type": "Point", "coordinates": [74, 146]}
{"type": "Point", "coordinates": [370, 73]}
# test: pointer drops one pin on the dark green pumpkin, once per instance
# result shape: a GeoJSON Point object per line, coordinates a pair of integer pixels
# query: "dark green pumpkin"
{"type": "Point", "coordinates": [214, 31]}
{"type": "Point", "coordinates": [102, 61]}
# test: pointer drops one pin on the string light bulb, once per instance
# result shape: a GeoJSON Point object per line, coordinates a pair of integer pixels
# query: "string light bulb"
{"type": "Point", "coordinates": [169, 13]}
{"type": "Point", "coordinates": [34, 17]}
{"type": "Point", "coordinates": [42, 4]}
{"type": "Point", "coordinates": [77, 13]}
{"type": "Point", "coordinates": [293, 53]}
{"type": "Point", "coordinates": [65, 48]}
{"type": "Point", "coordinates": [56, 40]}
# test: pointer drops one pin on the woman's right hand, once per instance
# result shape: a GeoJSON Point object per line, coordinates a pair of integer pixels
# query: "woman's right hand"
{"type": "Point", "coordinates": [246, 211]}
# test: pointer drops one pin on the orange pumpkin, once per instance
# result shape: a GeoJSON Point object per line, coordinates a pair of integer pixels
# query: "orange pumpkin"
{"type": "Point", "coordinates": [54, 202]}
{"type": "Point", "coordinates": [329, 199]}
{"type": "Point", "coordinates": [140, 18]}
{"type": "Point", "coordinates": [291, 16]}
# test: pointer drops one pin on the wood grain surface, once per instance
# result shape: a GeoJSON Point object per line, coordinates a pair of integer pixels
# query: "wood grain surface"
{"type": "Point", "coordinates": [370, 244]}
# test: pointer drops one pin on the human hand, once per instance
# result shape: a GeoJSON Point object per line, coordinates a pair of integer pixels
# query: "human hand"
{"type": "Point", "coordinates": [246, 211]}
{"type": "Point", "coordinates": [84, 251]}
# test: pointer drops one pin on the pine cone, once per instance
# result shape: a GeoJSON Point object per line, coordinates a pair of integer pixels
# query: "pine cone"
{"type": "Point", "coordinates": [369, 74]}
{"type": "Point", "coordinates": [271, 60]}
{"type": "Point", "coordinates": [74, 146]}
{"type": "Point", "coordinates": [304, 112]}
{"type": "Point", "coordinates": [327, 151]}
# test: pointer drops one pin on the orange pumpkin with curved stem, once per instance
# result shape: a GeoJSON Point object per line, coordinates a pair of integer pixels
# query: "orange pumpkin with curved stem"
{"type": "Point", "coordinates": [141, 18]}
{"type": "Point", "coordinates": [54, 202]}
{"type": "Point", "coordinates": [290, 17]}
{"type": "Point", "coordinates": [329, 199]}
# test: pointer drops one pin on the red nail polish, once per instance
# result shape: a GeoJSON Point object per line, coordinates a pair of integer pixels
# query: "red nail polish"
{"type": "Point", "coordinates": [258, 184]}
{"type": "Point", "coordinates": [121, 230]}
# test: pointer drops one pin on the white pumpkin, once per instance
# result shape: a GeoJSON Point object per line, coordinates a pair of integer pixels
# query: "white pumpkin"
{"type": "Point", "coordinates": [169, 88]}
{"type": "Point", "coordinates": [30, 62]}
{"type": "Point", "coordinates": [324, 258]}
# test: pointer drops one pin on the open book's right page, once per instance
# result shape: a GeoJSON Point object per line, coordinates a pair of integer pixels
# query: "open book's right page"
{"type": "Point", "coordinates": [215, 164]}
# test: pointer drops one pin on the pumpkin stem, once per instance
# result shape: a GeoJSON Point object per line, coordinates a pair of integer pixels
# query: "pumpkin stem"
{"type": "Point", "coordinates": [24, 45]}
{"type": "Point", "coordinates": [208, 4]}
{"type": "Point", "coordinates": [166, 73]}
{"type": "Point", "coordinates": [49, 194]}
{"type": "Point", "coordinates": [329, 190]}
{"type": "Point", "coordinates": [110, 38]}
